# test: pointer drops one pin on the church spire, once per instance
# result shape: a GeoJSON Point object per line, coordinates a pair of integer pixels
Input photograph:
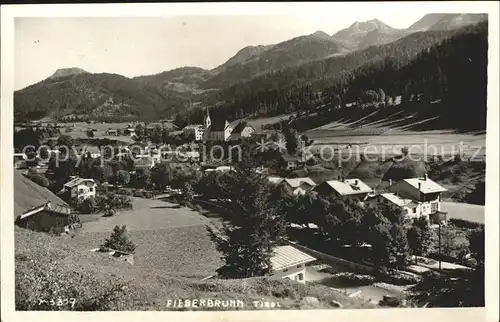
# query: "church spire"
{"type": "Point", "coordinates": [208, 121]}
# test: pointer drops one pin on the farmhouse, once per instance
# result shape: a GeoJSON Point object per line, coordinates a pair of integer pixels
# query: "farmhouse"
{"type": "Point", "coordinates": [112, 132]}
{"type": "Point", "coordinates": [389, 198]}
{"type": "Point", "coordinates": [289, 262]}
{"type": "Point", "coordinates": [129, 131]}
{"type": "Point", "coordinates": [290, 162]}
{"type": "Point", "coordinates": [37, 208]}
{"type": "Point", "coordinates": [274, 179]}
{"type": "Point", "coordinates": [424, 193]}
{"type": "Point", "coordinates": [352, 188]}
{"type": "Point", "coordinates": [79, 189]}
{"type": "Point", "coordinates": [299, 186]}
{"type": "Point", "coordinates": [145, 161]}
{"type": "Point", "coordinates": [218, 130]}
{"type": "Point", "coordinates": [194, 129]}
{"type": "Point", "coordinates": [242, 130]}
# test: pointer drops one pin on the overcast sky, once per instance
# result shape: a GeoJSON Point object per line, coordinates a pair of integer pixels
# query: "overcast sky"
{"type": "Point", "coordinates": [149, 45]}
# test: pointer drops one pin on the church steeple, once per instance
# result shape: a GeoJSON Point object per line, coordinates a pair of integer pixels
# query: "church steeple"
{"type": "Point", "coordinates": [208, 121]}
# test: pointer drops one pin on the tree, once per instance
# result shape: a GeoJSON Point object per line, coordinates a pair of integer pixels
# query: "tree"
{"type": "Point", "coordinates": [477, 246]}
{"type": "Point", "coordinates": [161, 176]}
{"type": "Point", "coordinates": [388, 239]}
{"type": "Point", "coordinates": [141, 178]}
{"type": "Point", "coordinates": [291, 142]}
{"type": "Point", "coordinates": [122, 177]}
{"type": "Point", "coordinates": [420, 237]}
{"type": "Point", "coordinates": [38, 178]}
{"type": "Point", "coordinates": [119, 240]}
{"type": "Point", "coordinates": [65, 141]}
{"type": "Point", "coordinates": [404, 151]}
{"type": "Point", "coordinates": [256, 227]}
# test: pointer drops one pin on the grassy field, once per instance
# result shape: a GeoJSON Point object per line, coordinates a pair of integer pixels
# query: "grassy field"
{"type": "Point", "coordinates": [168, 239]}
{"type": "Point", "coordinates": [79, 130]}
{"type": "Point", "coordinates": [464, 211]}
{"type": "Point", "coordinates": [168, 265]}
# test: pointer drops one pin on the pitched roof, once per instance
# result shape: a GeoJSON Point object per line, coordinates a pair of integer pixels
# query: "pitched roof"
{"type": "Point", "coordinates": [349, 186]}
{"type": "Point", "coordinates": [276, 180]}
{"type": "Point", "coordinates": [218, 124]}
{"type": "Point", "coordinates": [240, 127]}
{"type": "Point", "coordinates": [76, 181]}
{"type": "Point", "coordinates": [397, 200]}
{"type": "Point", "coordinates": [426, 185]}
{"type": "Point", "coordinates": [28, 196]}
{"type": "Point", "coordinates": [288, 256]}
{"type": "Point", "coordinates": [290, 158]}
{"type": "Point", "coordinates": [297, 182]}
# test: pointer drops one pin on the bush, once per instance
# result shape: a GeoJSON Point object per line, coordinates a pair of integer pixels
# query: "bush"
{"type": "Point", "coordinates": [461, 223]}
{"type": "Point", "coordinates": [87, 206]}
{"type": "Point", "coordinates": [138, 194]}
{"type": "Point", "coordinates": [148, 195]}
{"type": "Point", "coordinates": [125, 192]}
{"type": "Point", "coordinates": [43, 280]}
{"type": "Point", "coordinates": [398, 279]}
{"type": "Point", "coordinates": [351, 279]}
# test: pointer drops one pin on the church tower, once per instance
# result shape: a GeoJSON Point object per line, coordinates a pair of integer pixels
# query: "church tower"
{"type": "Point", "coordinates": [208, 121]}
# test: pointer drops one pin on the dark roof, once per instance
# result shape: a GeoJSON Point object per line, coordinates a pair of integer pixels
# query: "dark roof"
{"type": "Point", "coordinates": [240, 127]}
{"type": "Point", "coordinates": [28, 195]}
{"type": "Point", "coordinates": [218, 124]}
{"type": "Point", "coordinates": [291, 158]}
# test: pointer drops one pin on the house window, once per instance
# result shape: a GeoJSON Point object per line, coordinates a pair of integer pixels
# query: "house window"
{"type": "Point", "coordinates": [299, 266]}
{"type": "Point", "coordinates": [434, 207]}
{"type": "Point", "coordinates": [414, 210]}
{"type": "Point", "coordinates": [301, 276]}
{"type": "Point", "coordinates": [80, 190]}
{"type": "Point", "coordinates": [91, 189]}
{"type": "Point", "coordinates": [285, 270]}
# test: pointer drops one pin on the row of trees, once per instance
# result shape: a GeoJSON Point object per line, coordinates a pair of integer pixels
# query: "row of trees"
{"type": "Point", "coordinates": [260, 213]}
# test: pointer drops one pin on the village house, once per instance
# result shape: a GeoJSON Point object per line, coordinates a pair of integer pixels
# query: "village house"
{"type": "Point", "coordinates": [129, 131]}
{"type": "Point", "coordinates": [242, 130]}
{"type": "Point", "coordinates": [146, 161]}
{"type": "Point", "coordinates": [298, 186]}
{"type": "Point", "coordinates": [291, 162]}
{"type": "Point", "coordinates": [79, 189]}
{"type": "Point", "coordinates": [289, 262]}
{"type": "Point", "coordinates": [112, 132]}
{"type": "Point", "coordinates": [38, 209]}
{"type": "Point", "coordinates": [425, 196]}
{"type": "Point", "coordinates": [217, 130]}
{"type": "Point", "coordinates": [275, 180]}
{"type": "Point", "coordinates": [352, 188]}
{"type": "Point", "coordinates": [93, 151]}
{"type": "Point", "coordinates": [222, 168]}
{"type": "Point", "coordinates": [194, 129]}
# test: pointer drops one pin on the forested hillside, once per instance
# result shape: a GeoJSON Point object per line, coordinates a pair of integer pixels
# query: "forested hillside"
{"type": "Point", "coordinates": [450, 66]}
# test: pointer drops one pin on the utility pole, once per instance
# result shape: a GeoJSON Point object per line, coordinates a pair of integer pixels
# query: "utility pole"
{"type": "Point", "coordinates": [439, 234]}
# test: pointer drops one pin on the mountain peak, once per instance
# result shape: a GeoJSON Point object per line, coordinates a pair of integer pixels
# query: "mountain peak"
{"type": "Point", "coordinates": [63, 72]}
{"type": "Point", "coordinates": [320, 33]}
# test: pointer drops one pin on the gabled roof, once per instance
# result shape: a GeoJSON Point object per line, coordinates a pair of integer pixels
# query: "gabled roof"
{"type": "Point", "coordinates": [28, 196]}
{"type": "Point", "coordinates": [289, 256]}
{"type": "Point", "coordinates": [297, 182]}
{"type": "Point", "coordinates": [349, 186]}
{"type": "Point", "coordinates": [218, 125]}
{"type": "Point", "coordinates": [397, 200]}
{"type": "Point", "coordinates": [426, 185]}
{"type": "Point", "coordinates": [290, 158]}
{"type": "Point", "coordinates": [275, 180]}
{"type": "Point", "coordinates": [240, 127]}
{"type": "Point", "coordinates": [77, 181]}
